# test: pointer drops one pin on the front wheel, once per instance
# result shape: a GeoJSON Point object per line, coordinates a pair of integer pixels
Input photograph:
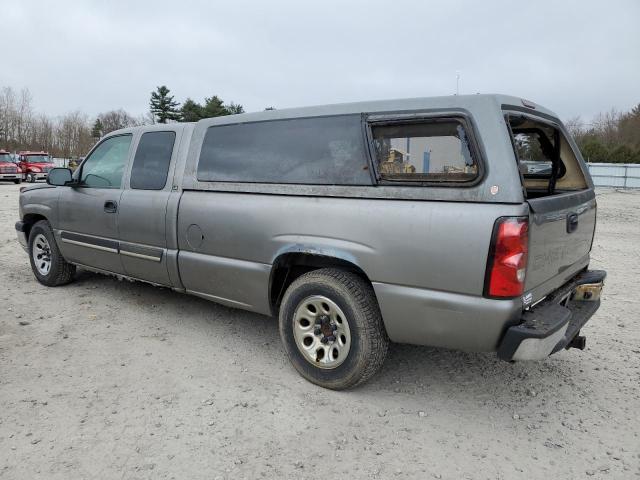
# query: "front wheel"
{"type": "Point", "coordinates": [332, 329]}
{"type": "Point", "coordinates": [31, 178]}
{"type": "Point", "coordinates": [18, 181]}
{"type": "Point", "coordinates": [47, 263]}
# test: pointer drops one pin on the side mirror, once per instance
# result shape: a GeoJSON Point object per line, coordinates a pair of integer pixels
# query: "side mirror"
{"type": "Point", "coordinates": [59, 177]}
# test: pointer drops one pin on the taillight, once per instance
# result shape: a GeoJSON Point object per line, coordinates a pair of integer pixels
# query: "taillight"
{"type": "Point", "coordinates": [507, 264]}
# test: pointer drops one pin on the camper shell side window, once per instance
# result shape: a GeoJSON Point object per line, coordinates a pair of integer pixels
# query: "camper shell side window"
{"type": "Point", "coordinates": [316, 150]}
{"type": "Point", "coordinates": [439, 150]}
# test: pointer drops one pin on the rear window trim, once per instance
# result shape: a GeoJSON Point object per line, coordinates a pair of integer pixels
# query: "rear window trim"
{"type": "Point", "coordinates": [555, 122]}
{"type": "Point", "coordinates": [402, 118]}
{"type": "Point", "coordinates": [563, 168]}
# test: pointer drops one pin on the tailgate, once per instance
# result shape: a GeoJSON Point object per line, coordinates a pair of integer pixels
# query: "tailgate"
{"type": "Point", "coordinates": [561, 229]}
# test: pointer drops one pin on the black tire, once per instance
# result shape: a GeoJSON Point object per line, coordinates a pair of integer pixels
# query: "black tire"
{"type": "Point", "coordinates": [18, 181]}
{"type": "Point", "coordinates": [31, 178]}
{"type": "Point", "coordinates": [61, 272]}
{"type": "Point", "coordinates": [356, 298]}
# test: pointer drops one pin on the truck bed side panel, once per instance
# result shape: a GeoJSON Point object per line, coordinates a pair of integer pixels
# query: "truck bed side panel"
{"type": "Point", "coordinates": [416, 250]}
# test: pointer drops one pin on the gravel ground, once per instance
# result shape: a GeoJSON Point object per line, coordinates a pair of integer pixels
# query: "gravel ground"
{"type": "Point", "coordinates": [111, 379]}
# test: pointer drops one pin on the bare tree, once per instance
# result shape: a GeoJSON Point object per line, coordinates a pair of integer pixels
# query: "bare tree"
{"type": "Point", "coordinates": [8, 116]}
{"type": "Point", "coordinates": [24, 116]}
{"type": "Point", "coordinates": [606, 124]}
{"type": "Point", "coordinates": [115, 120]}
{"type": "Point", "coordinates": [73, 134]}
{"type": "Point", "coordinates": [575, 126]}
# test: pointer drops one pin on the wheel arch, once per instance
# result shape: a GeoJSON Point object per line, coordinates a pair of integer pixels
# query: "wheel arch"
{"type": "Point", "coordinates": [291, 264]}
{"type": "Point", "coordinates": [30, 219]}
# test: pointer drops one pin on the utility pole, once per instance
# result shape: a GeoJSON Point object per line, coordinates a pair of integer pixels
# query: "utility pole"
{"type": "Point", "coordinates": [458, 82]}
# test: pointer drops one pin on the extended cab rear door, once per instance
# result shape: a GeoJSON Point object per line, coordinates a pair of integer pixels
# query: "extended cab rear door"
{"type": "Point", "coordinates": [561, 198]}
{"type": "Point", "coordinates": [142, 216]}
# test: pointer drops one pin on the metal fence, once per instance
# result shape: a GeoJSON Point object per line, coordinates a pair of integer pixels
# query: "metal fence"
{"type": "Point", "coordinates": [621, 175]}
{"type": "Point", "coordinates": [61, 162]}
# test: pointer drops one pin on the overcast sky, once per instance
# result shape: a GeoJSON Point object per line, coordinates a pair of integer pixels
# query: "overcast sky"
{"type": "Point", "coordinates": [575, 57]}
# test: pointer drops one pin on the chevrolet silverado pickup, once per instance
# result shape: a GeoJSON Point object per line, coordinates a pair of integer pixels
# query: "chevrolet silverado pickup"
{"type": "Point", "coordinates": [461, 222]}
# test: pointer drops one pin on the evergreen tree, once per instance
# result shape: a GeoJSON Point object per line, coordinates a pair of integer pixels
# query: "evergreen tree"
{"type": "Point", "coordinates": [96, 130]}
{"type": "Point", "coordinates": [593, 150]}
{"type": "Point", "coordinates": [162, 105]}
{"type": "Point", "coordinates": [234, 108]}
{"type": "Point", "coordinates": [213, 107]}
{"type": "Point", "coordinates": [191, 111]}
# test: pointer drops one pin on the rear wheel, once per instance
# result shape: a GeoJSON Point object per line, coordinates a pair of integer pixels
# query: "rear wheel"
{"type": "Point", "coordinates": [48, 265]}
{"type": "Point", "coordinates": [332, 329]}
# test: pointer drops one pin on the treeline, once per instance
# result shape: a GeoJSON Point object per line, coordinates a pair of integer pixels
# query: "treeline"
{"type": "Point", "coordinates": [73, 134]}
{"type": "Point", "coordinates": [163, 107]}
{"type": "Point", "coordinates": [612, 137]}
{"type": "Point", "coordinates": [22, 128]}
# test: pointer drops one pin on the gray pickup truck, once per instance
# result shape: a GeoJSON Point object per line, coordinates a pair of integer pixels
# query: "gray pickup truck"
{"type": "Point", "coordinates": [460, 222]}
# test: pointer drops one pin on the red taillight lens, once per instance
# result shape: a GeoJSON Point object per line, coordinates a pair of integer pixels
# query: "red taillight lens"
{"type": "Point", "coordinates": [508, 257]}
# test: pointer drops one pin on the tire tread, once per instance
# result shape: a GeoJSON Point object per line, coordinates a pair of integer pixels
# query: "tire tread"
{"type": "Point", "coordinates": [372, 330]}
{"type": "Point", "coordinates": [65, 271]}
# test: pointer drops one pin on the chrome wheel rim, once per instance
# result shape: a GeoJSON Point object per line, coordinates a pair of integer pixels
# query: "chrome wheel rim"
{"type": "Point", "coordinates": [41, 254]}
{"type": "Point", "coordinates": [321, 332]}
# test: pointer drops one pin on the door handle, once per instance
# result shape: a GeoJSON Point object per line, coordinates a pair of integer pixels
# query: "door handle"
{"type": "Point", "coordinates": [572, 222]}
{"type": "Point", "coordinates": [110, 206]}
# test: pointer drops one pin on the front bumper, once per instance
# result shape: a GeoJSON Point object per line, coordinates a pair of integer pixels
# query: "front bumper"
{"type": "Point", "coordinates": [38, 176]}
{"type": "Point", "coordinates": [22, 235]}
{"type": "Point", "coordinates": [10, 176]}
{"type": "Point", "coordinates": [554, 323]}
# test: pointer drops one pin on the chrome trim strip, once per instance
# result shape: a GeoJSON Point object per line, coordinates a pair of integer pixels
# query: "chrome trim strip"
{"type": "Point", "coordinates": [222, 300]}
{"type": "Point", "coordinates": [89, 245]}
{"type": "Point", "coordinates": [123, 276]}
{"type": "Point", "coordinates": [140, 255]}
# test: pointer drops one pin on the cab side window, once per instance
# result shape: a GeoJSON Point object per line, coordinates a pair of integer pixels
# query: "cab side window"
{"type": "Point", "coordinates": [105, 166]}
{"type": "Point", "coordinates": [151, 163]}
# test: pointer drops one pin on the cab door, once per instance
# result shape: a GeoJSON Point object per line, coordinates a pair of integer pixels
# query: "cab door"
{"type": "Point", "coordinates": [88, 211]}
{"type": "Point", "coordinates": [143, 207]}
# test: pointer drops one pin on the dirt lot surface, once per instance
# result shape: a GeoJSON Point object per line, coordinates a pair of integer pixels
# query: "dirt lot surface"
{"type": "Point", "coordinates": [111, 379]}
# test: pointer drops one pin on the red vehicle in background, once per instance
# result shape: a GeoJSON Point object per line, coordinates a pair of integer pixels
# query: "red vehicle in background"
{"type": "Point", "coordinates": [9, 171]}
{"type": "Point", "coordinates": [35, 165]}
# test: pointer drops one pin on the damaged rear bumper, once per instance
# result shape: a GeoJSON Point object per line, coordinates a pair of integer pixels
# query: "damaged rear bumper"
{"type": "Point", "coordinates": [554, 323]}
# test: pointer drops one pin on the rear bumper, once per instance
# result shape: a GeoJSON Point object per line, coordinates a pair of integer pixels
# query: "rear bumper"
{"type": "Point", "coordinates": [552, 324]}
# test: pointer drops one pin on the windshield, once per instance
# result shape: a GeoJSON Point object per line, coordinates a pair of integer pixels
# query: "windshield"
{"type": "Point", "coordinates": [5, 157]}
{"type": "Point", "coordinates": [38, 159]}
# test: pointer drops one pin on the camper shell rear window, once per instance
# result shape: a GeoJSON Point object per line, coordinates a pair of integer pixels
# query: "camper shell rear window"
{"type": "Point", "coordinates": [548, 164]}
